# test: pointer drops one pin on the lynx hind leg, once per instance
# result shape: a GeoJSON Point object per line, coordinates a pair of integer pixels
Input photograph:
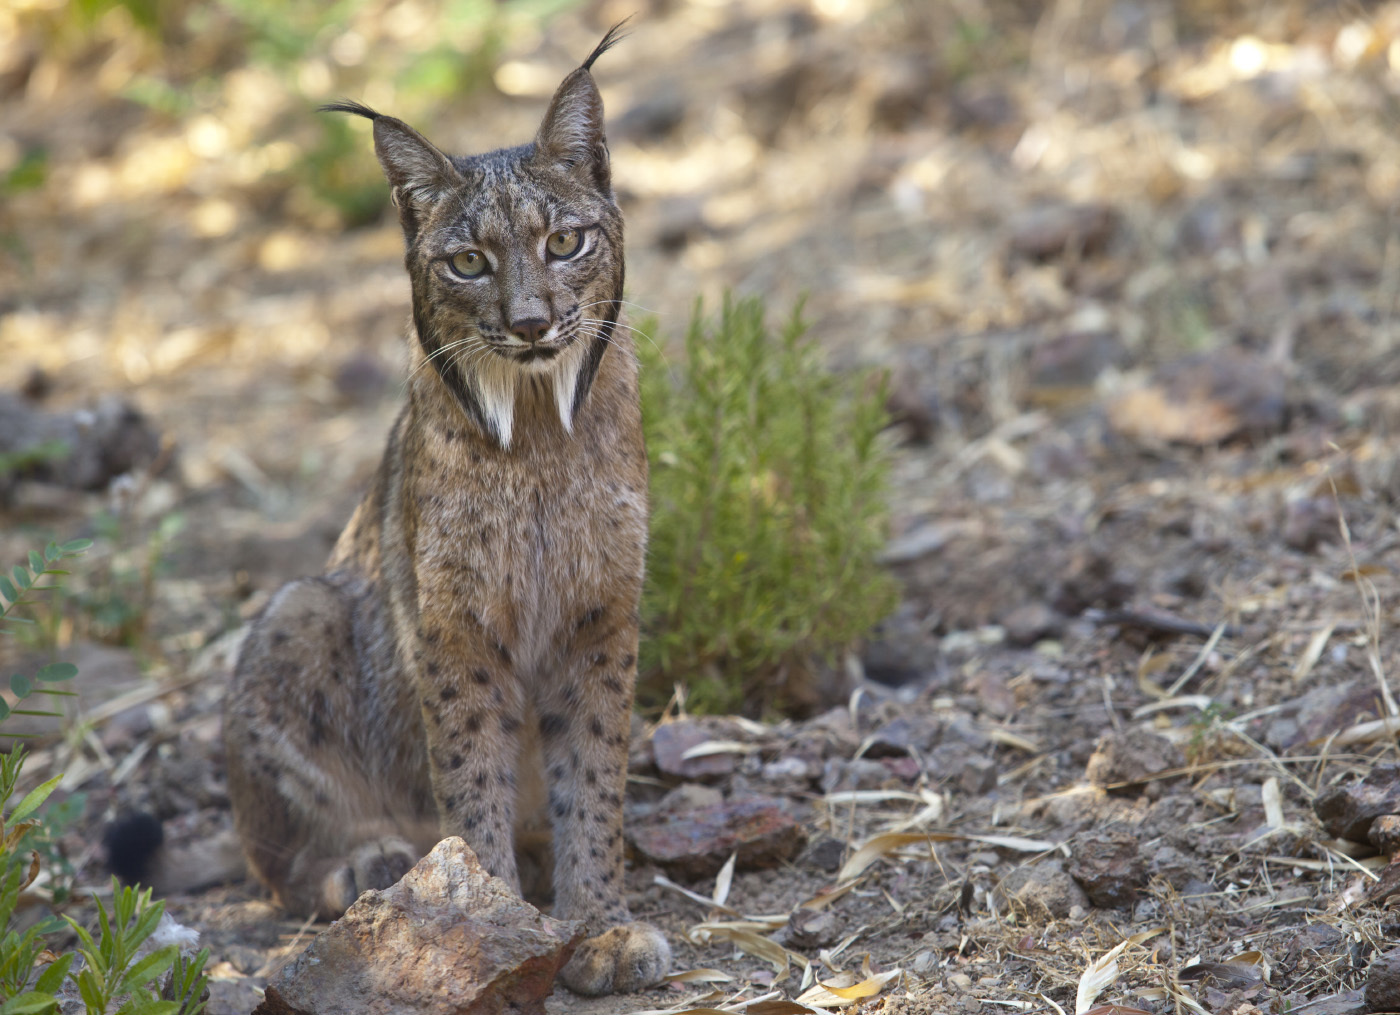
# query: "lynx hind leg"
{"type": "Point", "coordinates": [621, 960]}
{"type": "Point", "coordinates": [373, 865]}
{"type": "Point", "coordinates": [317, 826]}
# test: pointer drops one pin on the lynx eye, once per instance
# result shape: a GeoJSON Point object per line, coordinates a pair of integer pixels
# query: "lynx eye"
{"type": "Point", "coordinates": [468, 263]}
{"type": "Point", "coordinates": [564, 243]}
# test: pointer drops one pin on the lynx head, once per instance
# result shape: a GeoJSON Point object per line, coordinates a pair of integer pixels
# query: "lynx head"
{"type": "Point", "coordinates": [515, 256]}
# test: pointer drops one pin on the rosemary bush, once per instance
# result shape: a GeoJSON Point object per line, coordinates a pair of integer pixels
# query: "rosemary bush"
{"type": "Point", "coordinates": [768, 507]}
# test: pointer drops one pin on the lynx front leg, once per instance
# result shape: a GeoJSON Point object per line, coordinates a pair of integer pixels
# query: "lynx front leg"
{"type": "Point", "coordinates": [584, 726]}
{"type": "Point", "coordinates": [472, 708]}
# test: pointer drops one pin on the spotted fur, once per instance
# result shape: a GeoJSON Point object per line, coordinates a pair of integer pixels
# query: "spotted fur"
{"type": "Point", "coordinates": [470, 652]}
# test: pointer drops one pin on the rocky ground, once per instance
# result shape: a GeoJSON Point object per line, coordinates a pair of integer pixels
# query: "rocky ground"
{"type": "Point", "coordinates": [1133, 268]}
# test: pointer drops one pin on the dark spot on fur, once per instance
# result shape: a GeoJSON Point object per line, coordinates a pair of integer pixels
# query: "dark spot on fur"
{"type": "Point", "coordinates": [552, 725]}
{"type": "Point", "coordinates": [591, 777]}
{"type": "Point", "coordinates": [509, 724]}
{"type": "Point", "coordinates": [317, 718]}
{"type": "Point", "coordinates": [279, 637]}
{"type": "Point", "coordinates": [598, 660]}
{"type": "Point", "coordinates": [628, 660]}
{"type": "Point", "coordinates": [480, 780]}
{"type": "Point", "coordinates": [590, 618]}
{"type": "Point", "coordinates": [456, 761]}
{"type": "Point", "coordinates": [503, 652]}
{"type": "Point", "coordinates": [595, 726]}
{"type": "Point", "coordinates": [481, 676]}
{"type": "Point", "coordinates": [472, 724]}
{"type": "Point", "coordinates": [447, 693]}
{"type": "Point", "coordinates": [613, 684]}
{"type": "Point", "coordinates": [433, 668]}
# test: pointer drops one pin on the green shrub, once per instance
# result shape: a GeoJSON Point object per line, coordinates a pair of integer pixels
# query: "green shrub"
{"type": "Point", "coordinates": [768, 506]}
{"type": "Point", "coordinates": [115, 976]}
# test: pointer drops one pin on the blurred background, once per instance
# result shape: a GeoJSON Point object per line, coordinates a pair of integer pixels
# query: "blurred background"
{"type": "Point", "coordinates": [1131, 266]}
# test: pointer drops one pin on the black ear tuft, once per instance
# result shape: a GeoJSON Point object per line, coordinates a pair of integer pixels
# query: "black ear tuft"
{"type": "Point", "coordinates": [349, 106]}
{"type": "Point", "coordinates": [609, 41]}
{"type": "Point", "coordinates": [131, 843]}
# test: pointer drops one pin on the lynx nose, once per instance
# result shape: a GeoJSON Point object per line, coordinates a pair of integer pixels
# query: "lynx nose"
{"type": "Point", "coordinates": [531, 329]}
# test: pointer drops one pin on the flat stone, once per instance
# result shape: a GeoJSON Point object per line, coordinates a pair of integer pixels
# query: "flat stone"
{"type": "Point", "coordinates": [1383, 982]}
{"type": "Point", "coordinates": [449, 939]}
{"type": "Point", "coordinates": [1041, 889]}
{"type": "Point", "coordinates": [1108, 866]}
{"type": "Point", "coordinates": [1123, 762]}
{"type": "Point", "coordinates": [1348, 811]}
{"type": "Point", "coordinates": [670, 742]}
{"type": "Point", "coordinates": [696, 845]}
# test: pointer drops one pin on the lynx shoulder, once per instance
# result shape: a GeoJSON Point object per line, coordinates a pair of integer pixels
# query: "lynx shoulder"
{"type": "Point", "coordinates": [467, 659]}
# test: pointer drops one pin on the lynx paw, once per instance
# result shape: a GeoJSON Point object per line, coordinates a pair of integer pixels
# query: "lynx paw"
{"type": "Point", "coordinates": [622, 959]}
{"type": "Point", "coordinates": [376, 864]}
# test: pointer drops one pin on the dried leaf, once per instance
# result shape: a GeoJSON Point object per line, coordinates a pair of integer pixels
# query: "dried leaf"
{"type": "Point", "coordinates": [724, 878]}
{"type": "Point", "coordinates": [700, 975]}
{"type": "Point", "coordinates": [718, 747]}
{"type": "Point", "coordinates": [1273, 803]}
{"type": "Point", "coordinates": [1312, 653]}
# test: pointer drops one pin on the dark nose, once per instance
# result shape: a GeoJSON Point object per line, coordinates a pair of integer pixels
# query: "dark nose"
{"type": "Point", "coordinates": [531, 329]}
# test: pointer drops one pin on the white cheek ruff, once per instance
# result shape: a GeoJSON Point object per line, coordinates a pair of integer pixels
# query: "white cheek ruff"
{"type": "Point", "coordinates": [497, 383]}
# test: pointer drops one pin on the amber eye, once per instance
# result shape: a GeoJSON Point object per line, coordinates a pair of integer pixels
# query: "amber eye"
{"type": "Point", "coordinates": [564, 243]}
{"type": "Point", "coordinates": [468, 263]}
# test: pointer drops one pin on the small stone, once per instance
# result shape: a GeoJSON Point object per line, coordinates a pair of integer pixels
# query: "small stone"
{"type": "Point", "coordinates": [1107, 865]}
{"type": "Point", "coordinates": [689, 796]}
{"type": "Point", "coordinates": [1031, 623]}
{"type": "Point", "coordinates": [1123, 762]}
{"type": "Point", "coordinates": [669, 744]}
{"type": "Point", "coordinates": [809, 929]}
{"type": "Point", "coordinates": [1383, 982]}
{"type": "Point", "coordinates": [389, 952]}
{"type": "Point", "coordinates": [1051, 230]}
{"type": "Point", "coordinates": [697, 844]}
{"type": "Point", "coordinates": [827, 855]}
{"type": "Point", "coordinates": [1348, 811]}
{"type": "Point", "coordinates": [1385, 833]}
{"type": "Point", "coordinates": [978, 775]}
{"type": "Point", "coordinates": [860, 773]}
{"type": "Point", "coordinates": [1040, 889]}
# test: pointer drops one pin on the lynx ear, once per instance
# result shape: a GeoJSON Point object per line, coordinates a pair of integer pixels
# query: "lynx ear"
{"type": "Point", "coordinates": [418, 173]}
{"type": "Point", "coordinates": [571, 136]}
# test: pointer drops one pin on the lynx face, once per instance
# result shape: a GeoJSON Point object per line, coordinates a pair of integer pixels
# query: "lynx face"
{"type": "Point", "coordinates": [515, 256]}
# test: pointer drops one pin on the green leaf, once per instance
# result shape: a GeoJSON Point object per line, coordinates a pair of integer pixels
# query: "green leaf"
{"type": "Point", "coordinates": [21, 685]}
{"type": "Point", "coordinates": [36, 563]}
{"type": "Point", "coordinates": [4, 710]}
{"type": "Point", "coordinates": [91, 991]}
{"type": "Point", "coordinates": [51, 979]}
{"type": "Point", "coordinates": [33, 799]}
{"type": "Point", "coordinates": [148, 1006]}
{"type": "Point", "coordinates": [30, 1001]}
{"type": "Point", "coordinates": [52, 552]}
{"type": "Point", "coordinates": [22, 579]}
{"type": "Point", "coordinates": [58, 671]}
{"type": "Point", "coordinates": [152, 967]}
{"type": "Point", "coordinates": [76, 546]}
{"type": "Point", "coordinates": [36, 711]}
{"type": "Point", "coordinates": [18, 620]}
{"type": "Point", "coordinates": [8, 590]}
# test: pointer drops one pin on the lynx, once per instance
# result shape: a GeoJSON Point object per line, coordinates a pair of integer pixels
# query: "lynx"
{"type": "Point", "coordinates": [475, 631]}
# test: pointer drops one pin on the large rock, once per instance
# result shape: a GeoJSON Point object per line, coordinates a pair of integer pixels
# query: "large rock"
{"type": "Point", "coordinates": [449, 939]}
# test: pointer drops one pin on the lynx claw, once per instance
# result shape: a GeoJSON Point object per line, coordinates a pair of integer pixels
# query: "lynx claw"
{"type": "Point", "coordinates": [622, 959]}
